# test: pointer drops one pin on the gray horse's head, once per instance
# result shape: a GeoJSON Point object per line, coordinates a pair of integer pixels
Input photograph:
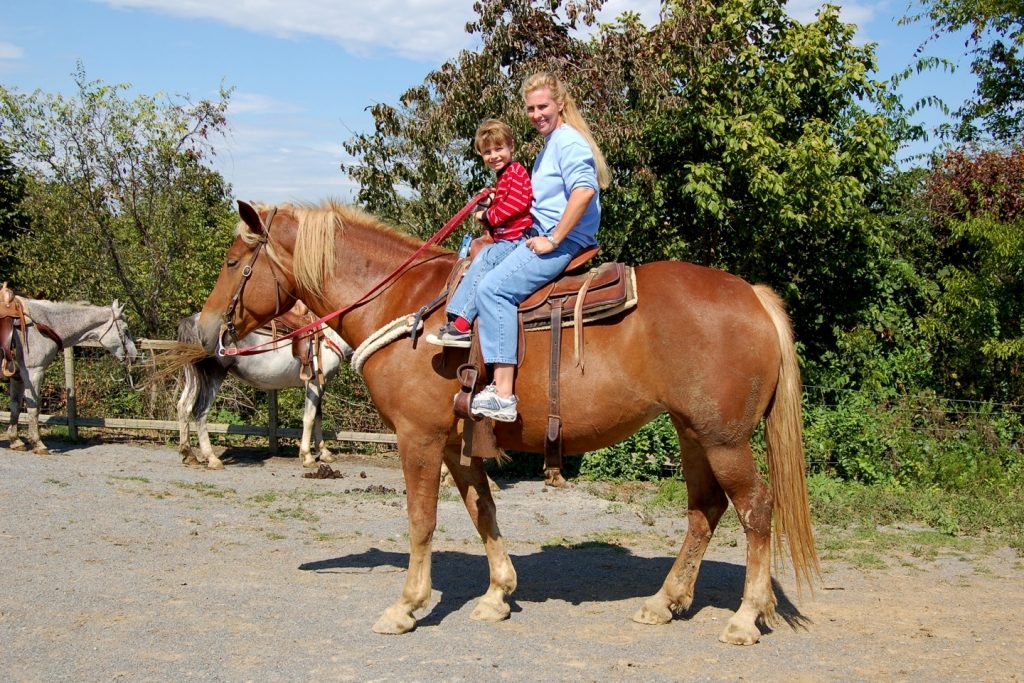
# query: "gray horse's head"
{"type": "Point", "coordinates": [115, 336]}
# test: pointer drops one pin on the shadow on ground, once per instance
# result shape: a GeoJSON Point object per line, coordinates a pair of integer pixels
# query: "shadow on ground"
{"type": "Point", "coordinates": [595, 573]}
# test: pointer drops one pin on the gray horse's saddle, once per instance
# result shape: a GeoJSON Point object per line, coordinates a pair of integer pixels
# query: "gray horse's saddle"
{"type": "Point", "coordinates": [12, 316]}
{"type": "Point", "coordinates": [307, 349]}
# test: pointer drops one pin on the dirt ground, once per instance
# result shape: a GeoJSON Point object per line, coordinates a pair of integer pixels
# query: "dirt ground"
{"type": "Point", "coordinates": [121, 563]}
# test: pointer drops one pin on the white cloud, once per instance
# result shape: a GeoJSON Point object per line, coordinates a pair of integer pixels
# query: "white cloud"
{"type": "Point", "coordinates": [649, 10]}
{"type": "Point", "coordinates": [859, 13]}
{"type": "Point", "coordinates": [255, 103]}
{"type": "Point", "coordinates": [417, 29]}
{"type": "Point", "coordinates": [10, 51]}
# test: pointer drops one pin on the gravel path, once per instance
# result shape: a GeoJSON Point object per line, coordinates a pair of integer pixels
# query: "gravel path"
{"type": "Point", "coordinates": [120, 563]}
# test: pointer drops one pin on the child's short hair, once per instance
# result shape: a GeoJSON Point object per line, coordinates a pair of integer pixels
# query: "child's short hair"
{"type": "Point", "coordinates": [493, 131]}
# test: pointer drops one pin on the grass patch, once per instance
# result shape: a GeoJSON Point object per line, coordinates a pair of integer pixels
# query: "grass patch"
{"type": "Point", "coordinates": [57, 482]}
{"type": "Point", "coordinates": [298, 512]}
{"type": "Point", "coordinates": [205, 489]}
{"type": "Point", "coordinates": [142, 480]}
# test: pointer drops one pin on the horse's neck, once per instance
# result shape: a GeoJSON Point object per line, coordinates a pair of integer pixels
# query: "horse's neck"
{"type": "Point", "coordinates": [72, 322]}
{"type": "Point", "coordinates": [366, 260]}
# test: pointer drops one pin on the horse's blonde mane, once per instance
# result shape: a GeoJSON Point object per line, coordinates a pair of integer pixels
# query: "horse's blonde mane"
{"type": "Point", "coordinates": [318, 226]}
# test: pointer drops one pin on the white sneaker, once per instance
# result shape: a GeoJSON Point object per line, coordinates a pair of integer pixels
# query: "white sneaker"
{"type": "Point", "coordinates": [488, 404]}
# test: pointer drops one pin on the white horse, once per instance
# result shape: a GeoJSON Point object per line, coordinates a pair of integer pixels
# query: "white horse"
{"type": "Point", "coordinates": [276, 368]}
{"type": "Point", "coordinates": [72, 323]}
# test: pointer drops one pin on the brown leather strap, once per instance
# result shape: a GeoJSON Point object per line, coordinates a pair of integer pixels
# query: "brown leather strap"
{"type": "Point", "coordinates": [553, 435]}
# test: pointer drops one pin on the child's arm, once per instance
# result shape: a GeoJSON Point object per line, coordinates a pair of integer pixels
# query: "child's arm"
{"type": "Point", "coordinates": [512, 196]}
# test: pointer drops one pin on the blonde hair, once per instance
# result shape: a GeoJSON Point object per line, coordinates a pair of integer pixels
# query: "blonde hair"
{"type": "Point", "coordinates": [491, 132]}
{"type": "Point", "coordinates": [571, 115]}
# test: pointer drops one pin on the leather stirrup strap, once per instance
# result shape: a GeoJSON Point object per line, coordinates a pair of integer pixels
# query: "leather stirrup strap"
{"type": "Point", "coordinates": [553, 434]}
{"type": "Point", "coordinates": [578, 319]}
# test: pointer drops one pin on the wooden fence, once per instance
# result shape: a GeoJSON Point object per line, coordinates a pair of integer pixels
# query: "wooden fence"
{"type": "Point", "coordinates": [72, 420]}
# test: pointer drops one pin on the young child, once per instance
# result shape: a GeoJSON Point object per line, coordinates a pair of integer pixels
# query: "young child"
{"type": "Point", "coordinates": [507, 218]}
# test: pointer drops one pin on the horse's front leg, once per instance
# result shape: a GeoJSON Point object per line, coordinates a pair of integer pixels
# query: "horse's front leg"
{"type": "Point", "coordinates": [17, 391]}
{"type": "Point", "coordinates": [421, 466]}
{"type": "Point", "coordinates": [475, 487]}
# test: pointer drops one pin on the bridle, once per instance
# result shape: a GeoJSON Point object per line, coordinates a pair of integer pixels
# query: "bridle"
{"type": "Point", "coordinates": [228, 326]}
{"type": "Point", "coordinates": [120, 340]}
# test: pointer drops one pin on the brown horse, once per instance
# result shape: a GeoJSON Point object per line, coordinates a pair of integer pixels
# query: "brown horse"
{"type": "Point", "coordinates": [708, 348]}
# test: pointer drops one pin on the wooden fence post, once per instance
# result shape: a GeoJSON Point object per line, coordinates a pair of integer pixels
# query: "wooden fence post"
{"type": "Point", "coordinates": [272, 415]}
{"type": "Point", "coordinates": [69, 389]}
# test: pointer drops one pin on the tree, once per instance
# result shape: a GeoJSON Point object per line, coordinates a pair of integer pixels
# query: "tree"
{"type": "Point", "coordinates": [121, 202]}
{"type": "Point", "coordinates": [996, 39]}
{"type": "Point", "coordinates": [976, 323]}
{"type": "Point", "coordinates": [13, 220]}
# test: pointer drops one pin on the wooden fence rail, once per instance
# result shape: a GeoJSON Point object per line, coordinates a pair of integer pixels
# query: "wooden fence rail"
{"type": "Point", "coordinates": [272, 431]}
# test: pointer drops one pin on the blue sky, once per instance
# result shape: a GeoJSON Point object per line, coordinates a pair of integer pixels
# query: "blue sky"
{"type": "Point", "coordinates": [304, 71]}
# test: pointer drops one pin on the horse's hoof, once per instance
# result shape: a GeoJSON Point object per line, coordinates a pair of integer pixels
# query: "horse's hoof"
{"type": "Point", "coordinates": [188, 458]}
{"type": "Point", "coordinates": [555, 480]}
{"type": "Point", "coordinates": [214, 464]}
{"type": "Point", "coordinates": [490, 612]}
{"type": "Point", "coordinates": [18, 445]}
{"type": "Point", "coordinates": [740, 634]}
{"type": "Point", "coordinates": [394, 622]}
{"type": "Point", "coordinates": [327, 456]}
{"type": "Point", "coordinates": [653, 614]}
{"type": "Point", "coordinates": [41, 450]}
{"type": "Point", "coordinates": [308, 461]}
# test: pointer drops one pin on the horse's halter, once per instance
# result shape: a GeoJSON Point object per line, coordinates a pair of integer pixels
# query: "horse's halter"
{"type": "Point", "coordinates": [122, 340]}
{"type": "Point", "coordinates": [228, 327]}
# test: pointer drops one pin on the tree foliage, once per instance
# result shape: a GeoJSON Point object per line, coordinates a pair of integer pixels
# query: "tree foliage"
{"type": "Point", "coordinates": [976, 325]}
{"type": "Point", "coordinates": [120, 201]}
{"type": "Point", "coordinates": [13, 220]}
{"type": "Point", "coordinates": [995, 40]}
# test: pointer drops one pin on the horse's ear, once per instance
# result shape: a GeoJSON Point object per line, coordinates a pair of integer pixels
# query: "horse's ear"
{"type": "Point", "coordinates": [250, 216]}
{"type": "Point", "coordinates": [117, 307]}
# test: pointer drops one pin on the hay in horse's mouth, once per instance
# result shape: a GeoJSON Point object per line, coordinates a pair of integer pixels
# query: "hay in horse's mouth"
{"type": "Point", "coordinates": [168, 364]}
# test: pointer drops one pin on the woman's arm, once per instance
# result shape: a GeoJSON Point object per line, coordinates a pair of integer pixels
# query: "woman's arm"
{"type": "Point", "coordinates": [579, 200]}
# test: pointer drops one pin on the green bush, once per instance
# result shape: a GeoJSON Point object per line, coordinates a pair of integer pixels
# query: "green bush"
{"type": "Point", "coordinates": [643, 456]}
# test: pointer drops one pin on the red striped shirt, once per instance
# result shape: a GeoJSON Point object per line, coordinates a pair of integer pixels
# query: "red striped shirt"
{"type": "Point", "coordinates": [509, 213]}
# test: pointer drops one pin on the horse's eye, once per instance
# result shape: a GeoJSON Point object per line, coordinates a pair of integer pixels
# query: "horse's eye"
{"type": "Point", "coordinates": [232, 262]}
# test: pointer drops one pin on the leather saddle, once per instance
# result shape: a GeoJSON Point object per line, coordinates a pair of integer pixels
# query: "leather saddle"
{"type": "Point", "coordinates": [12, 317]}
{"type": "Point", "coordinates": [574, 297]}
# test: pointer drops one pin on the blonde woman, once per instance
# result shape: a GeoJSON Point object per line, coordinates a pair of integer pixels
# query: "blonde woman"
{"type": "Point", "coordinates": [567, 178]}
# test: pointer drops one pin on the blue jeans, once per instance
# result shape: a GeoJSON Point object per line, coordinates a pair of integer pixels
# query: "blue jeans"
{"type": "Point", "coordinates": [506, 285]}
{"type": "Point", "coordinates": [463, 302]}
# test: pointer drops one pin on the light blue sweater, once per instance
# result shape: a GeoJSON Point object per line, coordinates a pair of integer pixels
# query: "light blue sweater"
{"type": "Point", "coordinates": [564, 164]}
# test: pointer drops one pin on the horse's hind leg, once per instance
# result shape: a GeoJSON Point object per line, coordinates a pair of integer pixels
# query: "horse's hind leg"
{"type": "Point", "coordinates": [735, 470]}
{"type": "Point", "coordinates": [475, 487]}
{"type": "Point", "coordinates": [319, 444]}
{"type": "Point", "coordinates": [184, 407]}
{"type": "Point", "coordinates": [706, 504]}
{"type": "Point", "coordinates": [33, 386]}
{"type": "Point", "coordinates": [313, 390]}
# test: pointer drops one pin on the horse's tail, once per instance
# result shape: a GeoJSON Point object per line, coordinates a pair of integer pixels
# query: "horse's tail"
{"type": "Point", "coordinates": [784, 437]}
{"type": "Point", "coordinates": [199, 377]}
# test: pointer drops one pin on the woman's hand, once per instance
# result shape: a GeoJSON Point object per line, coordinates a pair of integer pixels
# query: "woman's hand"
{"type": "Point", "coordinates": [540, 245]}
